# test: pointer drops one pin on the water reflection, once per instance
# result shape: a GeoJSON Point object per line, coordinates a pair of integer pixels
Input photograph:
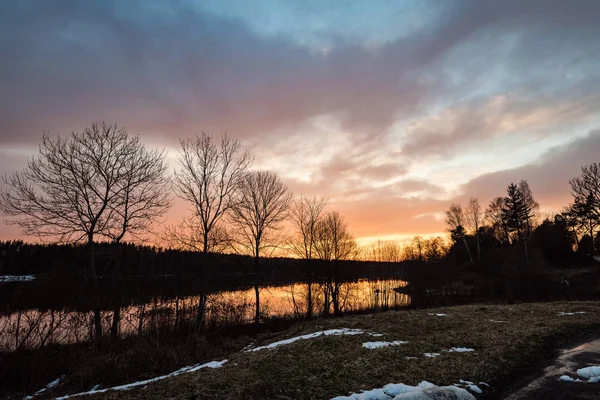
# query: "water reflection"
{"type": "Point", "coordinates": [30, 329]}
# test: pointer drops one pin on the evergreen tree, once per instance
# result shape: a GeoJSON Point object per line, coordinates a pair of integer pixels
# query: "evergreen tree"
{"type": "Point", "coordinates": [517, 214]}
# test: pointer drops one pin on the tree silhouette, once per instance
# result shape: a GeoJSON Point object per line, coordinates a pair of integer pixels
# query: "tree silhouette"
{"type": "Point", "coordinates": [516, 214]}
{"type": "Point", "coordinates": [455, 221]}
{"type": "Point", "coordinates": [261, 205]}
{"type": "Point", "coordinates": [306, 216]}
{"type": "Point", "coordinates": [334, 244]}
{"type": "Point", "coordinates": [585, 190]}
{"type": "Point", "coordinates": [99, 184]}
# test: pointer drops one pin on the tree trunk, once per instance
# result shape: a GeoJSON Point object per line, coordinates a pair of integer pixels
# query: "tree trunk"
{"type": "Point", "coordinates": [203, 296]}
{"type": "Point", "coordinates": [256, 291]}
{"type": "Point", "coordinates": [309, 306]}
{"type": "Point", "coordinates": [468, 250]}
{"type": "Point", "coordinates": [140, 329]}
{"type": "Point", "coordinates": [201, 315]}
{"type": "Point", "coordinates": [257, 312]}
{"type": "Point", "coordinates": [96, 310]}
{"type": "Point", "coordinates": [116, 322]}
{"type": "Point", "coordinates": [592, 238]}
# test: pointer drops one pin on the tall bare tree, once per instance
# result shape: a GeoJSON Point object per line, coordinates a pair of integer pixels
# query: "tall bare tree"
{"type": "Point", "coordinates": [208, 178]}
{"type": "Point", "coordinates": [306, 215]}
{"type": "Point", "coordinates": [334, 244]}
{"type": "Point", "coordinates": [262, 204]}
{"type": "Point", "coordinates": [455, 221]}
{"type": "Point", "coordinates": [473, 219]}
{"type": "Point", "coordinates": [85, 187]}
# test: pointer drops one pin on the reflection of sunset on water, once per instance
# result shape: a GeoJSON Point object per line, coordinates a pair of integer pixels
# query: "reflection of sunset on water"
{"type": "Point", "coordinates": [34, 328]}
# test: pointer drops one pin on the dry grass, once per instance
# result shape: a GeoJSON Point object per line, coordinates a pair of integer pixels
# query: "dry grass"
{"type": "Point", "coordinates": [328, 366]}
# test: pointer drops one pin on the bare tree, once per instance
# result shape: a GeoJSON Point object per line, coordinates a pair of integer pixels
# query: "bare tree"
{"type": "Point", "coordinates": [473, 218]}
{"type": "Point", "coordinates": [434, 249]}
{"type": "Point", "coordinates": [493, 217]}
{"type": "Point", "coordinates": [144, 193]}
{"type": "Point", "coordinates": [383, 251]}
{"type": "Point", "coordinates": [455, 220]}
{"type": "Point", "coordinates": [334, 244]}
{"type": "Point", "coordinates": [85, 187]}
{"type": "Point", "coordinates": [209, 177]}
{"type": "Point", "coordinates": [306, 215]}
{"type": "Point", "coordinates": [262, 204]}
{"type": "Point", "coordinates": [585, 190]}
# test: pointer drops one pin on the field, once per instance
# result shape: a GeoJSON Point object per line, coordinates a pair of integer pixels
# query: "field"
{"type": "Point", "coordinates": [503, 346]}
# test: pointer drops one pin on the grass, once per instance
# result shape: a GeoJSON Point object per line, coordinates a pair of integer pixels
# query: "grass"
{"type": "Point", "coordinates": [324, 367]}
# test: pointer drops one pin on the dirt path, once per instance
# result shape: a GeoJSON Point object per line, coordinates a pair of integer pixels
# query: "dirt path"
{"type": "Point", "coordinates": [549, 386]}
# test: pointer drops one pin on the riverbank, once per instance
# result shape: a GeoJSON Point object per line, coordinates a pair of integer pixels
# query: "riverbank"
{"type": "Point", "coordinates": [481, 348]}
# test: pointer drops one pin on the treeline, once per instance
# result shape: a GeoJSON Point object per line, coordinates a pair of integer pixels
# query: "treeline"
{"type": "Point", "coordinates": [513, 225]}
{"type": "Point", "coordinates": [139, 262]}
{"type": "Point", "coordinates": [510, 232]}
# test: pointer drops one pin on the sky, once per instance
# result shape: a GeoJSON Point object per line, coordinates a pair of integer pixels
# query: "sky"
{"type": "Point", "coordinates": [390, 109]}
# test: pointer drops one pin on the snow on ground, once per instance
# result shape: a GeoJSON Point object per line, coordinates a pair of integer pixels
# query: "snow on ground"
{"type": "Point", "coordinates": [438, 315]}
{"type": "Point", "coordinates": [562, 314]}
{"type": "Point", "coordinates": [459, 350]}
{"type": "Point", "coordinates": [330, 332]}
{"type": "Point", "coordinates": [16, 278]}
{"type": "Point", "coordinates": [567, 378]}
{"type": "Point", "coordinates": [475, 389]}
{"type": "Point", "coordinates": [42, 390]}
{"type": "Point", "coordinates": [375, 334]}
{"type": "Point", "coordinates": [431, 354]}
{"type": "Point", "coordinates": [497, 321]}
{"type": "Point", "coordinates": [191, 368]}
{"type": "Point", "coordinates": [399, 391]}
{"type": "Point", "coordinates": [377, 345]}
{"type": "Point", "coordinates": [589, 372]}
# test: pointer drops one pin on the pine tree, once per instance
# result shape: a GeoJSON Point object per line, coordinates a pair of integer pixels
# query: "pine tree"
{"type": "Point", "coordinates": [516, 214]}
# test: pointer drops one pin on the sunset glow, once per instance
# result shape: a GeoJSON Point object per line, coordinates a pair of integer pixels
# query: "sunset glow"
{"type": "Point", "coordinates": [390, 109]}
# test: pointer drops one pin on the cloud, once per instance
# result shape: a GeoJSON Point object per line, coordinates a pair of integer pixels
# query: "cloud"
{"type": "Point", "coordinates": [344, 102]}
{"type": "Point", "coordinates": [548, 177]}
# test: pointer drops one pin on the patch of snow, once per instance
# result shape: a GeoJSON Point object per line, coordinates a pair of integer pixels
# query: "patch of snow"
{"type": "Point", "coordinates": [51, 385]}
{"type": "Point", "coordinates": [438, 315]}
{"type": "Point", "coordinates": [330, 332]}
{"type": "Point", "coordinates": [375, 334]}
{"type": "Point", "coordinates": [399, 391]}
{"type": "Point", "coordinates": [459, 350]}
{"type": "Point", "coordinates": [465, 382]}
{"type": "Point", "coordinates": [589, 372]}
{"type": "Point", "coordinates": [96, 387]}
{"type": "Point", "coordinates": [562, 314]}
{"type": "Point", "coordinates": [431, 354]}
{"type": "Point", "coordinates": [484, 384]}
{"type": "Point", "coordinates": [16, 278]}
{"type": "Point", "coordinates": [191, 368]}
{"type": "Point", "coordinates": [497, 321]}
{"type": "Point", "coordinates": [411, 358]}
{"type": "Point", "coordinates": [594, 379]}
{"type": "Point", "coordinates": [475, 389]}
{"type": "Point", "coordinates": [377, 345]}
{"type": "Point", "coordinates": [567, 378]}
